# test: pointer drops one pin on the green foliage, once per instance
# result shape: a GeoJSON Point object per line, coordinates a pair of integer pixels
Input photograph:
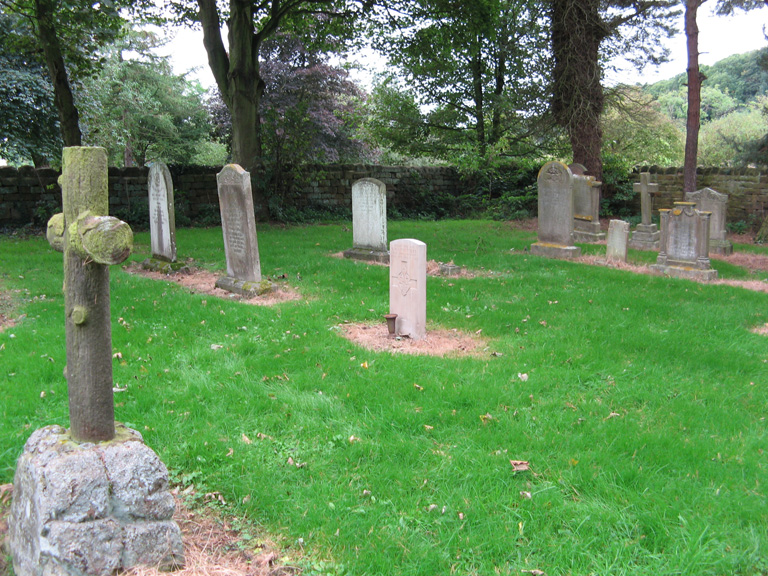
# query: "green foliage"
{"type": "Point", "coordinates": [617, 191]}
{"type": "Point", "coordinates": [735, 139]}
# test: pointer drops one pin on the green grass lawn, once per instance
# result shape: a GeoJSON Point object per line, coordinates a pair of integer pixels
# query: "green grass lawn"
{"type": "Point", "coordinates": [640, 403]}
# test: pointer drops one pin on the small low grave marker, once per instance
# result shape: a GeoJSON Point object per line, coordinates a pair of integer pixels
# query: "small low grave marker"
{"type": "Point", "coordinates": [646, 236]}
{"type": "Point", "coordinates": [238, 223]}
{"type": "Point", "coordinates": [162, 220]}
{"type": "Point", "coordinates": [618, 235]}
{"type": "Point", "coordinates": [555, 234]}
{"type": "Point", "coordinates": [91, 500]}
{"type": "Point", "coordinates": [369, 221]}
{"type": "Point", "coordinates": [709, 200]}
{"type": "Point", "coordinates": [586, 206]}
{"type": "Point", "coordinates": [684, 244]}
{"type": "Point", "coordinates": [408, 287]}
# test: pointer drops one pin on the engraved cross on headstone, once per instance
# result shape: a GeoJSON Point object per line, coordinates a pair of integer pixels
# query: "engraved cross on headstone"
{"type": "Point", "coordinates": [646, 191]}
{"type": "Point", "coordinates": [91, 241]}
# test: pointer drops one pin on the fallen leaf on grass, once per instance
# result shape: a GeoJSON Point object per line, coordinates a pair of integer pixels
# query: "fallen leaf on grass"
{"type": "Point", "coordinates": [245, 439]}
{"type": "Point", "coordinates": [523, 377]}
{"type": "Point", "coordinates": [612, 415]}
{"type": "Point", "coordinates": [231, 451]}
{"type": "Point", "coordinates": [520, 465]}
{"type": "Point", "coordinates": [419, 388]}
{"type": "Point", "coordinates": [525, 495]}
{"type": "Point", "coordinates": [534, 572]}
{"type": "Point", "coordinates": [485, 418]}
{"type": "Point", "coordinates": [216, 346]}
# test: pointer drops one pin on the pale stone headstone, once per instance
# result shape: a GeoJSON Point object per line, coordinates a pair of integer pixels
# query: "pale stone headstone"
{"type": "Point", "coordinates": [162, 219]}
{"type": "Point", "coordinates": [618, 235]}
{"type": "Point", "coordinates": [684, 245]}
{"type": "Point", "coordinates": [586, 206]}
{"type": "Point", "coordinates": [369, 221]}
{"type": "Point", "coordinates": [408, 287]}
{"type": "Point", "coordinates": [555, 235]}
{"type": "Point", "coordinates": [709, 200]}
{"type": "Point", "coordinates": [238, 223]}
{"type": "Point", "coordinates": [646, 236]}
{"type": "Point", "coordinates": [91, 500]}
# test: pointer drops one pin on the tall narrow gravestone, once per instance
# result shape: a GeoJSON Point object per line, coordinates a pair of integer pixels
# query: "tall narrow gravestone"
{"type": "Point", "coordinates": [709, 200]}
{"type": "Point", "coordinates": [586, 206]}
{"type": "Point", "coordinates": [92, 500]}
{"type": "Point", "coordinates": [162, 217]}
{"type": "Point", "coordinates": [646, 236]}
{"type": "Point", "coordinates": [369, 221]}
{"type": "Point", "coordinates": [684, 245]}
{"type": "Point", "coordinates": [618, 234]}
{"type": "Point", "coordinates": [238, 223]}
{"type": "Point", "coordinates": [555, 235]}
{"type": "Point", "coordinates": [408, 287]}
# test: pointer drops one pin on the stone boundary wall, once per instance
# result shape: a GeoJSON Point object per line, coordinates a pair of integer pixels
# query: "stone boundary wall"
{"type": "Point", "coordinates": [747, 189]}
{"type": "Point", "coordinates": [27, 195]}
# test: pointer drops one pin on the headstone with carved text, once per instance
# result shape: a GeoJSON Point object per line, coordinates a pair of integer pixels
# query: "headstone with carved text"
{"type": "Point", "coordinates": [408, 287]}
{"type": "Point", "coordinates": [586, 206]}
{"type": "Point", "coordinates": [555, 222]}
{"type": "Point", "coordinates": [684, 244]}
{"type": "Point", "coordinates": [162, 219]}
{"type": "Point", "coordinates": [646, 236]}
{"type": "Point", "coordinates": [238, 223]}
{"type": "Point", "coordinates": [709, 200]}
{"type": "Point", "coordinates": [369, 221]}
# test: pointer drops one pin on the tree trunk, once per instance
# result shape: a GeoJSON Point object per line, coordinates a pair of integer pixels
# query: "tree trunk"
{"type": "Point", "coordinates": [69, 117]}
{"type": "Point", "coordinates": [762, 234]}
{"type": "Point", "coordinates": [577, 99]}
{"type": "Point", "coordinates": [693, 120]}
{"type": "Point", "coordinates": [238, 77]}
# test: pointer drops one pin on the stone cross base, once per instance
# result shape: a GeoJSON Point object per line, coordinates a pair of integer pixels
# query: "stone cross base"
{"type": "Point", "coordinates": [645, 237]}
{"type": "Point", "coordinates": [450, 269]}
{"type": "Point", "coordinates": [368, 255]}
{"type": "Point", "coordinates": [245, 288]}
{"type": "Point", "coordinates": [555, 251]}
{"type": "Point", "coordinates": [685, 272]}
{"type": "Point", "coordinates": [722, 247]}
{"type": "Point", "coordinates": [91, 509]}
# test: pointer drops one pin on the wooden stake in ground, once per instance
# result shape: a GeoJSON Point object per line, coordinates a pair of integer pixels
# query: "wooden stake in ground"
{"type": "Point", "coordinates": [91, 242]}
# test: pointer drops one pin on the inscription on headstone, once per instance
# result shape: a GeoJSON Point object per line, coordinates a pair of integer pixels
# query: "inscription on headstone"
{"type": "Point", "coordinates": [555, 234]}
{"type": "Point", "coordinates": [684, 244]}
{"type": "Point", "coordinates": [708, 200]}
{"type": "Point", "coordinates": [369, 221]}
{"type": "Point", "coordinates": [238, 224]}
{"type": "Point", "coordinates": [646, 236]}
{"type": "Point", "coordinates": [408, 287]}
{"type": "Point", "coordinates": [162, 219]}
{"type": "Point", "coordinates": [586, 206]}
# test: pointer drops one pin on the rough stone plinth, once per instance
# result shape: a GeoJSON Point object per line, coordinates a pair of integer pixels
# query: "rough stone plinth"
{"type": "Point", "coordinates": [245, 288]}
{"type": "Point", "coordinates": [645, 237]}
{"type": "Point", "coordinates": [367, 255]}
{"type": "Point", "coordinates": [85, 509]}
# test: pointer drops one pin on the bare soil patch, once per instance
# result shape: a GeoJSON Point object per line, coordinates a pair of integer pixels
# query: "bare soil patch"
{"type": "Point", "coordinates": [6, 307]}
{"type": "Point", "coordinates": [438, 342]}
{"type": "Point", "coordinates": [762, 330]}
{"type": "Point", "coordinates": [199, 281]}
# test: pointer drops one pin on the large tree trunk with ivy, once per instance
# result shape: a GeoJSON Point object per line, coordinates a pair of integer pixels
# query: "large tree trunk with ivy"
{"type": "Point", "coordinates": [577, 100]}
{"type": "Point", "coordinates": [693, 120]}
{"type": "Point", "coordinates": [65, 103]}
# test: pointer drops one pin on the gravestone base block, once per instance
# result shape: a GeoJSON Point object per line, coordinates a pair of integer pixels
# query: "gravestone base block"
{"type": "Point", "coordinates": [555, 251]}
{"type": "Point", "coordinates": [246, 288]}
{"type": "Point", "coordinates": [84, 509]}
{"type": "Point", "coordinates": [645, 237]}
{"type": "Point", "coordinates": [368, 255]}
{"type": "Point", "coordinates": [165, 267]}
{"type": "Point", "coordinates": [685, 272]}
{"type": "Point", "coordinates": [450, 269]}
{"type": "Point", "coordinates": [587, 231]}
{"type": "Point", "coordinates": [721, 247]}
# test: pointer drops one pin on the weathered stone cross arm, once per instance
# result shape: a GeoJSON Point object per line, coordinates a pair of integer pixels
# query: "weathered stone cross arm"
{"type": "Point", "coordinates": [91, 241]}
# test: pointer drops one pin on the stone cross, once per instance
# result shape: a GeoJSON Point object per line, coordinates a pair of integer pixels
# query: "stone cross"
{"type": "Point", "coordinates": [646, 191]}
{"type": "Point", "coordinates": [91, 241]}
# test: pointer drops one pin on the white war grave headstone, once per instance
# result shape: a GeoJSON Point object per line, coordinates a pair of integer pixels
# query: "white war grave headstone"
{"type": "Point", "coordinates": [369, 221]}
{"type": "Point", "coordinates": [684, 244]}
{"type": "Point", "coordinates": [408, 287]}
{"type": "Point", "coordinates": [618, 235]}
{"type": "Point", "coordinates": [586, 206]}
{"type": "Point", "coordinates": [708, 200]}
{"type": "Point", "coordinates": [238, 223]}
{"type": "Point", "coordinates": [647, 235]}
{"type": "Point", "coordinates": [94, 499]}
{"type": "Point", "coordinates": [555, 234]}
